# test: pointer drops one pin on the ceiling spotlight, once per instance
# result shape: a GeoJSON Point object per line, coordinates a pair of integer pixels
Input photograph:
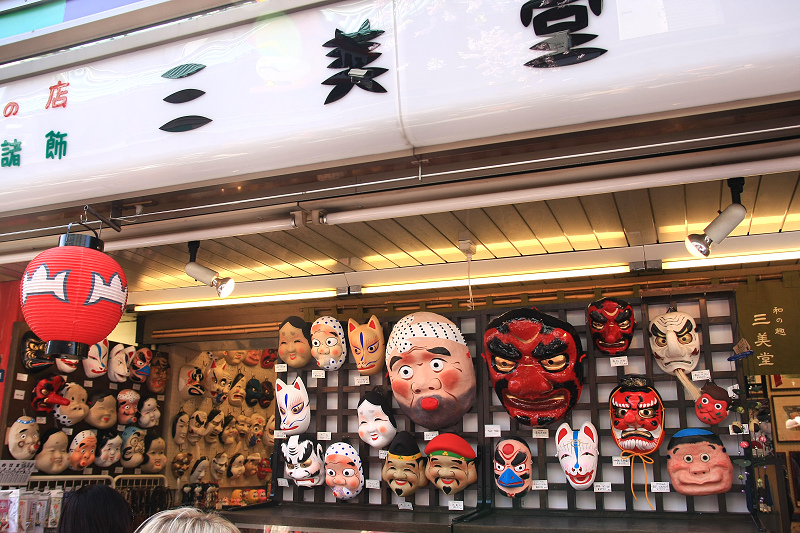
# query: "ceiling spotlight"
{"type": "Point", "coordinates": [205, 275]}
{"type": "Point", "coordinates": [699, 244]}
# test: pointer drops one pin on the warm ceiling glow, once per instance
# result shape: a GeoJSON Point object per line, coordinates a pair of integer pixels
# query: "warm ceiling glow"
{"type": "Point", "coordinates": [732, 260]}
{"type": "Point", "coordinates": [330, 293]}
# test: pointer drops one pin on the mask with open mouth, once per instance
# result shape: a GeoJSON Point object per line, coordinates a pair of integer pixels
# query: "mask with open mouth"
{"type": "Point", "coordinates": [637, 415]}
{"type": "Point", "coordinates": [304, 461]}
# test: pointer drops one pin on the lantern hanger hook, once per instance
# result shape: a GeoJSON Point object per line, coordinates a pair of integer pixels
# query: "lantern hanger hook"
{"type": "Point", "coordinates": [83, 223]}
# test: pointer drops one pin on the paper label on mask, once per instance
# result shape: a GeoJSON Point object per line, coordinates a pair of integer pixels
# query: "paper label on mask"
{"type": "Point", "coordinates": [455, 506]}
{"type": "Point", "coordinates": [659, 486]}
{"type": "Point", "coordinates": [430, 435]}
{"type": "Point", "coordinates": [117, 469]}
{"type": "Point", "coordinates": [283, 482]}
{"type": "Point", "coordinates": [541, 433]}
{"type": "Point", "coordinates": [373, 484]}
{"type": "Point", "coordinates": [622, 360]}
{"type": "Point", "coordinates": [362, 380]}
{"type": "Point", "coordinates": [602, 486]}
{"type": "Point", "coordinates": [68, 431]}
{"type": "Point", "coordinates": [160, 398]}
{"type": "Point", "coordinates": [280, 434]}
{"type": "Point", "coordinates": [41, 420]}
{"type": "Point", "coordinates": [113, 386]}
{"type": "Point", "coordinates": [491, 430]}
{"type": "Point", "coordinates": [539, 484]}
{"type": "Point", "coordinates": [136, 386]}
{"type": "Point", "coordinates": [323, 435]}
{"type": "Point", "coordinates": [120, 427]}
{"type": "Point", "coordinates": [620, 461]}
{"type": "Point", "coordinates": [405, 506]}
{"type": "Point", "coordinates": [701, 375]}
{"type": "Point", "coordinates": [88, 384]}
{"type": "Point", "coordinates": [318, 374]}
{"type": "Point", "coordinates": [383, 454]}
{"type": "Point", "coordinates": [22, 377]}
{"type": "Point", "coordinates": [281, 367]}
{"type": "Point", "coordinates": [19, 394]}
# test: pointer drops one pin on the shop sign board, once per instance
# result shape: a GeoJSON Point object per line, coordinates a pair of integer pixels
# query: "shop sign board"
{"type": "Point", "coordinates": [768, 315]}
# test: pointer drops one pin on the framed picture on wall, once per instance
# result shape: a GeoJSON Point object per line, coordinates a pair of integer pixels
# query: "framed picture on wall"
{"type": "Point", "coordinates": [787, 418]}
{"type": "Point", "coordinates": [784, 382]}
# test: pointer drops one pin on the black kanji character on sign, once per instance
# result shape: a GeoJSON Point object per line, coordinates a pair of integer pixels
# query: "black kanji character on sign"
{"type": "Point", "coordinates": [353, 51]}
{"type": "Point", "coordinates": [560, 20]}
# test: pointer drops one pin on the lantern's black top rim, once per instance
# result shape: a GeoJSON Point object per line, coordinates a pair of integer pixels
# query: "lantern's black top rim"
{"type": "Point", "coordinates": [85, 241]}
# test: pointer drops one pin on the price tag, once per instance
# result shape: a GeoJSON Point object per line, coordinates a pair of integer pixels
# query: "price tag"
{"type": "Point", "coordinates": [113, 386]}
{"type": "Point", "coordinates": [41, 420]}
{"type": "Point", "coordinates": [160, 398]}
{"type": "Point", "coordinates": [620, 461]}
{"type": "Point", "coordinates": [373, 484]}
{"type": "Point", "coordinates": [136, 386]}
{"type": "Point", "coordinates": [659, 486]}
{"type": "Point", "coordinates": [137, 471]}
{"type": "Point", "coordinates": [539, 484]}
{"type": "Point", "coordinates": [19, 394]}
{"type": "Point", "coordinates": [701, 375]}
{"type": "Point", "coordinates": [88, 471]}
{"type": "Point", "coordinates": [541, 433]}
{"type": "Point", "coordinates": [280, 434]}
{"type": "Point", "coordinates": [361, 380]}
{"type": "Point", "coordinates": [283, 482]}
{"type": "Point", "coordinates": [602, 486]}
{"type": "Point", "coordinates": [318, 374]}
{"type": "Point", "coordinates": [281, 367]}
{"type": "Point", "coordinates": [88, 384]}
{"type": "Point", "coordinates": [383, 454]}
{"type": "Point", "coordinates": [405, 506]}
{"type": "Point", "coordinates": [323, 435]}
{"type": "Point", "coordinates": [622, 360]}
{"type": "Point", "coordinates": [120, 427]}
{"type": "Point", "coordinates": [733, 391]}
{"type": "Point", "coordinates": [455, 506]}
{"type": "Point", "coordinates": [430, 435]}
{"type": "Point", "coordinates": [22, 377]}
{"type": "Point", "coordinates": [118, 470]}
{"type": "Point", "coordinates": [104, 472]}
{"type": "Point", "coordinates": [491, 430]}
{"type": "Point", "coordinates": [68, 431]}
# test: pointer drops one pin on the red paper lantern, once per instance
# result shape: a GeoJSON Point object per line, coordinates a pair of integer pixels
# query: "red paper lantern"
{"type": "Point", "coordinates": [73, 296]}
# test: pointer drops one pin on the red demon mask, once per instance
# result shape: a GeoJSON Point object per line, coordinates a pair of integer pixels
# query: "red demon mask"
{"type": "Point", "coordinates": [637, 415]}
{"type": "Point", "coordinates": [535, 365]}
{"type": "Point", "coordinates": [611, 323]}
{"type": "Point", "coordinates": [45, 395]}
{"type": "Point", "coordinates": [712, 405]}
{"type": "Point", "coordinates": [264, 469]}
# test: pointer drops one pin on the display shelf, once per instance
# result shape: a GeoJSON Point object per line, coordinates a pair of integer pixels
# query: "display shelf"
{"type": "Point", "coordinates": [343, 517]}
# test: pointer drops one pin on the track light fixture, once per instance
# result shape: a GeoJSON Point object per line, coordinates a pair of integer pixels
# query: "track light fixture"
{"type": "Point", "coordinates": [203, 274]}
{"type": "Point", "coordinates": [699, 244]}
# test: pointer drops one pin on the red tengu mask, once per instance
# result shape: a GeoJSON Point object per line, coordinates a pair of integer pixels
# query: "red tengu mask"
{"type": "Point", "coordinates": [45, 395]}
{"type": "Point", "coordinates": [712, 405]}
{"type": "Point", "coordinates": [611, 323]}
{"type": "Point", "coordinates": [535, 365]}
{"type": "Point", "coordinates": [637, 415]}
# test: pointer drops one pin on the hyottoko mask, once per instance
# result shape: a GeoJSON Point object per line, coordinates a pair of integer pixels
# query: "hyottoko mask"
{"type": "Point", "coordinates": [578, 452]}
{"type": "Point", "coordinates": [431, 370]}
{"type": "Point", "coordinates": [698, 464]}
{"type": "Point", "coordinates": [81, 450]}
{"type": "Point", "coordinates": [154, 458]}
{"type": "Point", "coordinates": [128, 406]}
{"type": "Point", "coordinates": [190, 379]}
{"type": "Point", "coordinates": [535, 365]}
{"type": "Point", "coordinates": [159, 373]}
{"type": "Point", "coordinates": [294, 342]}
{"type": "Point", "coordinates": [23, 438]}
{"type": "Point", "coordinates": [451, 463]}
{"type": "Point", "coordinates": [118, 361]}
{"type": "Point", "coordinates": [304, 461]}
{"type": "Point", "coordinates": [343, 471]}
{"type": "Point", "coordinates": [327, 343]}
{"type": "Point", "coordinates": [513, 467]}
{"type": "Point", "coordinates": [404, 469]}
{"type": "Point", "coordinates": [102, 410]}
{"type": "Point", "coordinates": [611, 323]}
{"type": "Point", "coordinates": [139, 365]}
{"type": "Point", "coordinates": [109, 448]}
{"type": "Point", "coordinates": [293, 406]}
{"type": "Point", "coordinates": [52, 457]}
{"type": "Point", "coordinates": [712, 405]}
{"type": "Point", "coordinates": [366, 343]}
{"type": "Point", "coordinates": [132, 447]}
{"type": "Point", "coordinates": [376, 425]}
{"type": "Point", "coordinates": [637, 415]}
{"type": "Point", "coordinates": [96, 364]}
{"type": "Point", "coordinates": [675, 341]}
{"type": "Point", "coordinates": [77, 408]}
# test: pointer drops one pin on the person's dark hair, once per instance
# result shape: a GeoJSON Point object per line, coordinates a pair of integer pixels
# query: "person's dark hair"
{"type": "Point", "coordinates": [95, 509]}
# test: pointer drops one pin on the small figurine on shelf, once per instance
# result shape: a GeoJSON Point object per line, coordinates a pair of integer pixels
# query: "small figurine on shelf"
{"type": "Point", "coordinates": [236, 498]}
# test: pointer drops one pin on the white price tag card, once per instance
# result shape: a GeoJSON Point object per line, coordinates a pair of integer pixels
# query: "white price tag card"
{"type": "Point", "coordinates": [160, 397]}
{"type": "Point", "coordinates": [113, 386]}
{"type": "Point", "coordinates": [120, 427]}
{"type": "Point", "coordinates": [430, 435]}
{"type": "Point", "coordinates": [323, 435]}
{"type": "Point", "coordinates": [104, 472]}
{"type": "Point", "coordinates": [118, 470]}
{"type": "Point", "coordinates": [373, 484]}
{"type": "Point", "coordinates": [733, 391]}
{"type": "Point", "coordinates": [659, 486]}
{"type": "Point", "coordinates": [89, 471]}
{"type": "Point", "coordinates": [19, 394]}
{"type": "Point", "coordinates": [541, 433]}
{"type": "Point", "coordinates": [701, 375]}
{"type": "Point", "coordinates": [361, 380]}
{"type": "Point", "coordinates": [318, 374]}
{"type": "Point", "coordinates": [383, 454]}
{"type": "Point", "coordinates": [620, 461]}
{"type": "Point", "coordinates": [88, 384]}
{"type": "Point", "coordinates": [491, 430]}
{"type": "Point", "coordinates": [281, 367]}
{"type": "Point", "coordinates": [283, 482]}
{"type": "Point", "coordinates": [22, 377]}
{"type": "Point", "coordinates": [602, 486]}
{"type": "Point", "coordinates": [41, 420]}
{"type": "Point", "coordinates": [405, 506]}
{"type": "Point", "coordinates": [455, 506]}
{"type": "Point", "coordinates": [280, 434]}
{"type": "Point", "coordinates": [622, 360]}
{"type": "Point", "coordinates": [137, 471]}
{"type": "Point", "coordinates": [136, 386]}
{"type": "Point", "coordinates": [68, 431]}
{"type": "Point", "coordinates": [539, 484]}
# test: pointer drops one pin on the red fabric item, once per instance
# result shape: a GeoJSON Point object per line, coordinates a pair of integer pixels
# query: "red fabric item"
{"type": "Point", "coordinates": [10, 312]}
